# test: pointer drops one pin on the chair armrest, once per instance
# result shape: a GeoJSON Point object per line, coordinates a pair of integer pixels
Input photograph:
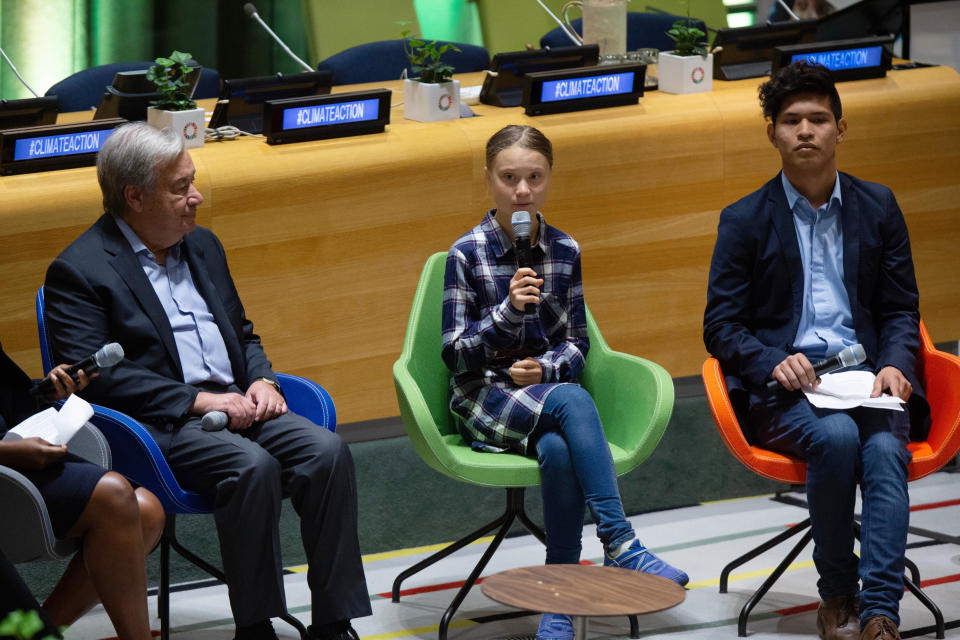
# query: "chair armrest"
{"type": "Point", "coordinates": [422, 428]}
{"type": "Point", "coordinates": [137, 457]}
{"type": "Point", "coordinates": [308, 399]}
{"type": "Point", "coordinates": [27, 534]}
{"type": "Point", "coordinates": [941, 373]}
{"type": "Point", "coordinates": [90, 444]}
{"type": "Point", "coordinates": [634, 397]}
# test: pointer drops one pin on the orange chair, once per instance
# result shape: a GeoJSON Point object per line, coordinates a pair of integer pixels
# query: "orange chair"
{"type": "Point", "coordinates": [939, 373]}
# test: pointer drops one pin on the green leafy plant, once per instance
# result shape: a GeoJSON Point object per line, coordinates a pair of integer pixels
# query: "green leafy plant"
{"type": "Point", "coordinates": [22, 625]}
{"type": "Point", "coordinates": [688, 38]}
{"type": "Point", "coordinates": [425, 59]}
{"type": "Point", "coordinates": [172, 79]}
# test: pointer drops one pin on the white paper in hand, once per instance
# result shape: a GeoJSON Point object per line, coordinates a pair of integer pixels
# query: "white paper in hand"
{"type": "Point", "coordinates": [849, 389]}
{"type": "Point", "coordinates": [56, 427]}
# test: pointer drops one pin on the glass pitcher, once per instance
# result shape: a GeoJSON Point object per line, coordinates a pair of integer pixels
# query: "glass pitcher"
{"type": "Point", "coordinates": [604, 24]}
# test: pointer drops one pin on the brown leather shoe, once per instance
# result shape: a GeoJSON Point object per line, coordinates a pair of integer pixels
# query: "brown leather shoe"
{"type": "Point", "coordinates": [880, 628]}
{"type": "Point", "coordinates": [837, 619]}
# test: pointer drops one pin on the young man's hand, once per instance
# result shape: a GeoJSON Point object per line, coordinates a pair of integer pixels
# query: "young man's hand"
{"type": "Point", "coordinates": [890, 379]}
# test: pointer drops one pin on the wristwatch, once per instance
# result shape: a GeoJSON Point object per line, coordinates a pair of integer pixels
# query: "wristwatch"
{"type": "Point", "coordinates": [270, 382]}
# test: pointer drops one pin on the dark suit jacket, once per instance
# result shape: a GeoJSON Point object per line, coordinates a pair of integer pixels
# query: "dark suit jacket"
{"type": "Point", "coordinates": [96, 292]}
{"type": "Point", "coordinates": [16, 403]}
{"type": "Point", "coordinates": [755, 293]}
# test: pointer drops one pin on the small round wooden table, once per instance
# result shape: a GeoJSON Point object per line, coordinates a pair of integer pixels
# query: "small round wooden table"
{"type": "Point", "coordinates": [583, 590]}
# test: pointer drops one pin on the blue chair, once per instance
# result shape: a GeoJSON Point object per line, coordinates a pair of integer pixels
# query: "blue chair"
{"type": "Point", "coordinates": [386, 60]}
{"type": "Point", "coordinates": [137, 457]}
{"type": "Point", "coordinates": [643, 30]}
{"type": "Point", "coordinates": [83, 90]}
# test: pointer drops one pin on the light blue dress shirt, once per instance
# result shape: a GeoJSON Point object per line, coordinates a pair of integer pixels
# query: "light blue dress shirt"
{"type": "Point", "coordinates": [826, 324]}
{"type": "Point", "coordinates": [203, 353]}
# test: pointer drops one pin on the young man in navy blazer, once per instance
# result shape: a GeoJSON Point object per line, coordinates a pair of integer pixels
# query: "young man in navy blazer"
{"type": "Point", "coordinates": [146, 276]}
{"type": "Point", "coordinates": [815, 261]}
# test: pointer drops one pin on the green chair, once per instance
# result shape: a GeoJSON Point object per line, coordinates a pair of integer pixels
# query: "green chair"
{"type": "Point", "coordinates": [634, 397]}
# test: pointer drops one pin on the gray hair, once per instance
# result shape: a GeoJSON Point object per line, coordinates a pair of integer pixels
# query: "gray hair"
{"type": "Point", "coordinates": [131, 156]}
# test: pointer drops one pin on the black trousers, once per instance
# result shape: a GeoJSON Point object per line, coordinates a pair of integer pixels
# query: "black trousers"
{"type": "Point", "coordinates": [249, 473]}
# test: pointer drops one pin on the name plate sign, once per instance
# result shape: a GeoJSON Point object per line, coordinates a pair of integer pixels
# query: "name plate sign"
{"type": "Point", "coordinates": [854, 59]}
{"type": "Point", "coordinates": [593, 87]}
{"type": "Point", "coordinates": [56, 146]}
{"type": "Point", "coordinates": [329, 116]}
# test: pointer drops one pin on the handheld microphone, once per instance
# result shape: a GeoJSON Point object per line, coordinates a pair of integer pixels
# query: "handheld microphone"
{"type": "Point", "coordinates": [521, 243]}
{"type": "Point", "coordinates": [251, 11]}
{"type": "Point", "coordinates": [214, 420]}
{"type": "Point", "coordinates": [848, 357]}
{"type": "Point", "coordinates": [107, 356]}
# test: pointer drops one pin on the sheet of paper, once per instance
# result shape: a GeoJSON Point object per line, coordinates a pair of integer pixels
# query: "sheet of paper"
{"type": "Point", "coordinates": [849, 389]}
{"type": "Point", "coordinates": [40, 425]}
{"type": "Point", "coordinates": [74, 413]}
{"type": "Point", "coordinates": [56, 427]}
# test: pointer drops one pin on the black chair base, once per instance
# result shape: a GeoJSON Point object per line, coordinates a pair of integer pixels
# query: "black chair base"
{"type": "Point", "coordinates": [514, 511]}
{"type": "Point", "coordinates": [911, 583]}
{"type": "Point", "coordinates": [168, 542]}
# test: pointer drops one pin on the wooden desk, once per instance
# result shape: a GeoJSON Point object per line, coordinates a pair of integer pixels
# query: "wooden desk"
{"type": "Point", "coordinates": [326, 239]}
{"type": "Point", "coordinates": [583, 591]}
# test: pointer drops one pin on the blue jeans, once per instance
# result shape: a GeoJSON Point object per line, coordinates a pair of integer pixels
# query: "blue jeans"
{"type": "Point", "coordinates": [576, 470]}
{"type": "Point", "coordinates": [842, 448]}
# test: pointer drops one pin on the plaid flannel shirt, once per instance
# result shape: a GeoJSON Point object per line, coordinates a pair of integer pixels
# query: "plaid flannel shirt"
{"type": "Point", "coordinates": [483, 334]}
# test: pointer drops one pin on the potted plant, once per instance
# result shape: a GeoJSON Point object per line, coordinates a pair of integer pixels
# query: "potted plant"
{"type": "Point", "coordinates": [689, 67]}
{"type": "Point", "coordinates": [175, 109]}
{"type": "Point", "coordinates": [433, 94]}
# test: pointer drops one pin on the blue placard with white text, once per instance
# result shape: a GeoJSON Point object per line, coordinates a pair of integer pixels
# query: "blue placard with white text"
{"type": "Point", "coordinates": [610, 84]}
{"type": "Point", "coordinates": [66, 144]}
{"type": "Point", "coordinates": [331, 114]}
{"type": "Point", "coordinates": [857, 58]}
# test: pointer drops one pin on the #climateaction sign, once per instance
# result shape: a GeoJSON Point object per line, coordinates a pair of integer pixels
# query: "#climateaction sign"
{"type": "Point", "coordinates": [859, 58]}
{"type": "Point", "coordinates": [67, 144]}
{"type": "Point", "coordinates": [329, 114]}
{"type": "Point", "coordinates": [587, 87]}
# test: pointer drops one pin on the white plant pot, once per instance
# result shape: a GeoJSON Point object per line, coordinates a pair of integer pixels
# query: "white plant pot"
{"type": "Point", "coordinates": [684, 74]}
{"type": "Point", "coordinates": [427, 102]}
{"type": "Point", "coordinates": [188, 123]}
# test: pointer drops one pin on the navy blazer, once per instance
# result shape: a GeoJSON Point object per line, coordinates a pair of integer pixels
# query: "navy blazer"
{"type": "Point", "coordinates": [755, 293]}
{"type": "Point", "coordinates": [16, 402]}
{"type": "Point", "coordinates": [96, 292]}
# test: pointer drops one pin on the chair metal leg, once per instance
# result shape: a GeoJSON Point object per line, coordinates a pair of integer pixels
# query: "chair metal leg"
{"type": "Point", "coordinates": [750, 555]}
{"type": "Point", "coordinates": [443, 553]}
{"type": "Point", "coordinates": [472, 578]}
{"type": "Point", "coordinates": [163, 592]}
{"type": "Point", "coordinates": [772, 578]}
{"type": "Point", "coordinates": [296, 624]}
{"type": "Point", "coordinates": [929, 604]}
{"type": "Point", "coordinates": [913, 569]}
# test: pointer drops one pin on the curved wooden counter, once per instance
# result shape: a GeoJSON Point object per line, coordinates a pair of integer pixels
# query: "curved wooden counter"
{"type": "Point", "coordinates": [326, 239]}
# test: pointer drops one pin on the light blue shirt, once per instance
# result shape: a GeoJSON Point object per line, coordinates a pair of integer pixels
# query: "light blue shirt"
{"type": "Point", "coordinates": [203, 353]}
{"type": "Point", "coordinates": [826, 324]}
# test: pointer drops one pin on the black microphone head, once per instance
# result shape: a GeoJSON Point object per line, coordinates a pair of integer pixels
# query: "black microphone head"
{"type": "Point", "coordinates": [108, 355]}
{"type": "Point", "coordinates": [249, 9]}
{"type": "Point", "coordinates": [852, 355]}
{"type": "Point", "coordinates": [521, 224]}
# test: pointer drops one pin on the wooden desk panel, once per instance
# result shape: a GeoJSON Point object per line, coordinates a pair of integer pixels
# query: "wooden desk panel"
{"type": "Point", "coordinates": [326, 239]}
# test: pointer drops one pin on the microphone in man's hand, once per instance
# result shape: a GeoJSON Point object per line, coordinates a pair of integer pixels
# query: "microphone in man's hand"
{"type": "Point", "coordinates": [214, 420]}
{"type": "Point", "coordinates": [106, 356]}
{"type": "Point", "coordinates": [521, 244]}
{"type": "Point", "coordinates": [848, 357]}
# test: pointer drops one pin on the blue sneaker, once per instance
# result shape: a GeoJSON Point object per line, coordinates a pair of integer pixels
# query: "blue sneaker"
{"type": "Point", "coordinates": [637, 558]}
{"type": "Point", "coordinates": [554, 626]}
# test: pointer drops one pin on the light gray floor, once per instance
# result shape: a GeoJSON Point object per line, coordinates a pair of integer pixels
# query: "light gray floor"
{"type": "Point", "coordinates": [699, 539]}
